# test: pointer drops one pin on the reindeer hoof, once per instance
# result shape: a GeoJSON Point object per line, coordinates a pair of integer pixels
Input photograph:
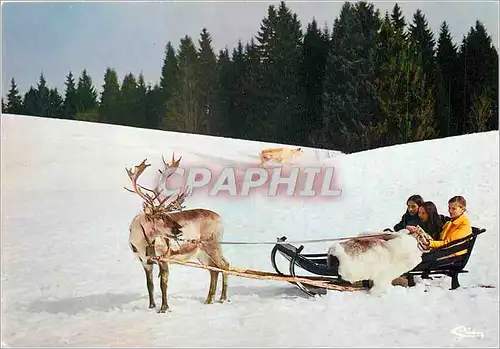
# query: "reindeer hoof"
{"type": "Point", "coordinates": [152, 305]}
{"type": "Point", "coordinates": [164, 310]}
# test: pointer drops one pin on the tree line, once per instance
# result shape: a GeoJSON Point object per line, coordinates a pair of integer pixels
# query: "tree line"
{"type": "Point", "coordinates": [372, 80]}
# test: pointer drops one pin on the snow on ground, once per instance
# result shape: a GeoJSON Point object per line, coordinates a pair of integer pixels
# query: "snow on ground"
{"type": "Point", "coordinates": [70, 279]}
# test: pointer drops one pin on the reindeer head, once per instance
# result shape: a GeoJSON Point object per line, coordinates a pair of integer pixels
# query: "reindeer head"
{"type": "Point", "coordinates": [155, 209]}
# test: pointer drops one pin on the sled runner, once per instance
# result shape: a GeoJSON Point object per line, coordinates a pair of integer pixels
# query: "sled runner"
{"type": "Point", "coordinates": [437, 261]}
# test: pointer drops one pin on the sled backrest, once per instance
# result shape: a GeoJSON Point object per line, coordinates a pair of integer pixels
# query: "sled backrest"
{"type": "Point", "coordinates": [443, 257]}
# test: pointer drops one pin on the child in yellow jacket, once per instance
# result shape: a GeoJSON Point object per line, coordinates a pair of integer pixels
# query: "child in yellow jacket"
{"type": "Point", "coordinates": [457, 228]}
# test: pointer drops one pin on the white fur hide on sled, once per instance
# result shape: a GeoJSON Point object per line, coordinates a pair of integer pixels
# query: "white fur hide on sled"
{"type": "Point", "coordinates": [377, 259]}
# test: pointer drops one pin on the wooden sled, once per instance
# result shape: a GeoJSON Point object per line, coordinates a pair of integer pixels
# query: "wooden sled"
{"type": "Point", "coordinates": [438, 261]}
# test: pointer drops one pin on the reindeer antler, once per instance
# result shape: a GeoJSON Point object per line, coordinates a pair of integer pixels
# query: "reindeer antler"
{"type": "Point", "coordinates": [175, 164]}
{"type": "Point", "coordinates": [134, 175]}
{"type": "Point", "coordinates": [168, 203]}
{"type": "Point", "coordinates": [171, 203]}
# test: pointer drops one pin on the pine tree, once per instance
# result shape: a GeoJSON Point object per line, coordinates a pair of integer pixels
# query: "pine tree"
{"type": "Point", "coordinates": [422, 45]}
{"type": "Point", "coordinates": [422, 53]}
{"type": "Point", "coordinates": [385, 41]}
{"type": "Point", "coordinates": [142, 104]}
{"type": "Point", "coordinates": [446, 84]}
{"type": "Point", "coordinates": [370, 22]}
{"type": "Point", "coordinates": [399, 36]}
{"type": "Point", "coordinates": [393, 91]}
{"type": "Point", "coordinates": [350, 109]}
{"type": "Point", "coordinates": [183, 114]}
{"type": "Point", "coordinates": [109, 108]}
{"type": "Point", "coordinates": [55, 106]}
{"type": "Point", "coordinates": [87, 98]}
{"type": "Point", "coordinates": [14, 100]}
{"type": "Point", "coordinates": [392, 38]}
{"type": "Point", "coordinates": [280, 46]}
{"type": "Point", "coordinates": [207, 79]}
{"type": "Point", "coordinates": [128, 101]}
{"type": "Point", "coordinates": [71, 102]}
{"type": "Point", "coordinates": [223, 98]}
{"type": "Point", "coordinates": [30, 102]}
{"type": "Point", "coordinates": [266, 34]}
{"type": "Point", "coordinates": [42, 98]}
{"type": "Point", "coordinates": [169, 78]}
{"type": "Point", "coordinates": [251, 106]}
{"type": "Point", "coordinates": [155, 110]}
{"type": "Point", "coordinates": [478, 75]}
{"type": "Point", "coordinates": [241, 90]}
{"type": "Point", "coordinates": [314, 55]}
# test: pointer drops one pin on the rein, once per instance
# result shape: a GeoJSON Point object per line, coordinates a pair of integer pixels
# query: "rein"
{"type": "Point", "coordinates": [290, 242]}
{"type": "Point", "coordinates": [177, 238]}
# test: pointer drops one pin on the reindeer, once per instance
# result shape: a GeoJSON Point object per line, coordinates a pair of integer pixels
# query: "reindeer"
{"type": "Point", "coordinates": [156, 231]}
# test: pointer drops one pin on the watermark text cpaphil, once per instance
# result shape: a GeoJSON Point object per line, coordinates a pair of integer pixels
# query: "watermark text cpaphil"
{"type": "Point", "coordinates": [234, 181]}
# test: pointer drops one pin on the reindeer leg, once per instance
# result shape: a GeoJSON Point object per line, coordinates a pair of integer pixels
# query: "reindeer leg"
{"type": "Point", "coordinates": [214, 276]}
{"type": "Point", "coordinates": [224, 265]}
{"type": "Point", "coordinates": [163, 285]}
{"type": "Point", "coordinates": [148, 269]}
{"type": "Point", "coordinates": [206, 260]}
{"type": "Point", "coordinates": [217, 260]}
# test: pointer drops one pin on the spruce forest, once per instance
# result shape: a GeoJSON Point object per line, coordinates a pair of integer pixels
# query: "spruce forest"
{"type": "Point", "coordinates": [371, 80]}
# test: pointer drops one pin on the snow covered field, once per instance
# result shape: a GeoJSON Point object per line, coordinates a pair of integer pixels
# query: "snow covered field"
{"type": "Point", "coordinates": [70, 279]}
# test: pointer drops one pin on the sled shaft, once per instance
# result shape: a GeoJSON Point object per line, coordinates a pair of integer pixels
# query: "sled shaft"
{"type": "Point", "coordinates": [257, 274]}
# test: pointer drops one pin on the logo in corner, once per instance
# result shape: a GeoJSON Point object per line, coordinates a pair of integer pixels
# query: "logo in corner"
{"type": "Point", "coordinates": [466, 332]}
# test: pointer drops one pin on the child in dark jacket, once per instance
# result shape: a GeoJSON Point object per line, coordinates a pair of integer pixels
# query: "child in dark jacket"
{"type": "Point", "coordinates": [411, 215]}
